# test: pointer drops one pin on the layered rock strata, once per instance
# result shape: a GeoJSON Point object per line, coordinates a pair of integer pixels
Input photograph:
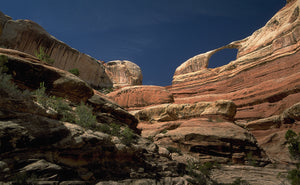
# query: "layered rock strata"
{"type": "Point", "coordinates": [263, 81]}
{"type": "Point", "coordinates": [202, 129]}
{"type": "Point", "coordinates": [37, 147]}
{"type": "Point", "coordinates": [137, 97]}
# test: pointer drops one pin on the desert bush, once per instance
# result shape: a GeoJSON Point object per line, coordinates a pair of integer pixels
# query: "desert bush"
{"type": "Point", "coordinates": [251, 160]}
{"type": "Point", "coordinates": [74, 71]}
{"type": "Point", "coordinates": [85, 117]}
{"type": "Point", "coordinates": [41, 55]}
{"type": "Point", "coordinates": [63, 109]}
{"type": "Point", "coordinates": [3, 62]}
{"type": "Point", "coordinates": [115, 129]}
{"type": "Point", "coordinates": [293, 141]}
{"type": "Point", "coordinates": [127, 136]}
{"type": "Point", "coordinates": [6, 83]}
{"type": "Point", "coordinates": [192, 169]}
{"type": "Point", "coordinates": [41, 96]}
{"type": "Point", "coordinates": [104, 128]}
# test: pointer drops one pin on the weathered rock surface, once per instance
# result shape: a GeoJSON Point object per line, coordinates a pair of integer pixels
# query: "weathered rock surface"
{"type": "Point", "coordinates": [37, 148]}
{"type": "Point", "coordinates": [263, 81]}
{"type": "Point", "coordinates": [28, 72]}
{"type": "Point", "coordinates": [135, 97]}
{"type": "Point", "coordinates": [124, 73]}
{"type": "Point", "coordinates": [172, 112]}
{"type": "Point", "coordinates": [27, 36]}
{"type": "Point", "coordinates": [203, 129]}
{"type": "Point", "coordinates": [250, 174]}
{"type": "Point", "coordinates": [220, 140]}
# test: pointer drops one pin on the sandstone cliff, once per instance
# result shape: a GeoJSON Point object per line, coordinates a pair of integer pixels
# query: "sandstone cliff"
{"type": "Point", "coordinates": [37, 146]}
{"type": "Point", "coordinates": [262, 81]}
{"type": "Point", "coordinates": [27, 36]}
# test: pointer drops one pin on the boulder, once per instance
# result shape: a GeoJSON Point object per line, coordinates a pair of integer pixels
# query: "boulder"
{"type": "Point", "coordinates": [292, 114]}
{"type": "Point", "coordinates": [265, 123]}
{"type": "Point", "coordinates": [141, 96]}
{"type": "Point", "coordinates": [124, 73]}
{"type": "Point", "coordinates": [29, 72]}
{"type": "Point", "coordinates": [27, 36]}
{"type": "Point", "coordinates": [220, 141]}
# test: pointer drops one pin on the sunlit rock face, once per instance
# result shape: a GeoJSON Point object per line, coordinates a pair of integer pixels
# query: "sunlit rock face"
{"type": "Point", "coordinates": [137, 97]}
{"type": "Point", "coordinates": [264, 80]}
{"type": "Point", "coordinates": [27, 36]}
{"type": "Point", "coordinates": [124, 73]}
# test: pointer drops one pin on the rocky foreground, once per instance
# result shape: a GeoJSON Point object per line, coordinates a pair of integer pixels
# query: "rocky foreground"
{"type": "Point", "coordinates": [234, 116]}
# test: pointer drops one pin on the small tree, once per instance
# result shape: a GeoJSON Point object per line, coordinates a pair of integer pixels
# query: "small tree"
{"type": "Point", "coordinates": [74, 71]}
{"type": "Point", "coordinates": [41, 55]}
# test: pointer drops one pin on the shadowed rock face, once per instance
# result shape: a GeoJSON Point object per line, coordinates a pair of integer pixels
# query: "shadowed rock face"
{"type": "Point", "coordinates": [263, 81]}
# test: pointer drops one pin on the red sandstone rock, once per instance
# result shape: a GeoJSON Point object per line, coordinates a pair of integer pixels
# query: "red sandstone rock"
{"type": "Point", "coordinates": [141, 96]}
{"type": "Point", "coordinates": [263, 81]}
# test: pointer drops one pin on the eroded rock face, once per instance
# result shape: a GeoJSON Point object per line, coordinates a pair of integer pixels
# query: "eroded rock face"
{"type": "Point", "coordinates": [124, 73]}
{"type": "Point", "coordinates": [35, 145]}
{"type": "Point", "coordinates": [135, 97]}
{"type": "Point", "coordinates": [29, 72]}
{"type": "Point", "coordinates": [172, 112]}
{"type": "Point", "coordinates": [202, 129]}
{"type": "Point", "coordinates": [27, 36]}
{"type": "Point", "coordinates": [263, 81]}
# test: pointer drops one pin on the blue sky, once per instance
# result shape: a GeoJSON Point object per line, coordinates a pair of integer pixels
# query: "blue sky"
{"type": "Point", "coordinates": [158, 35]}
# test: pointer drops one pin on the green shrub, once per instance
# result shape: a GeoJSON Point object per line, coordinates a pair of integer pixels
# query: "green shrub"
{"type": "Point", "coordinates": [6, 83]}
{"type": "Point", "coordinates": [3, 62]}
{"type": "Point", "coordinates": [127, 136]}
{"type": "Point", "coordinates": [293, 144]}
{"type": "Point", "coordinates": [115, 129]}
{"type": "Point", "coordinates": [74, 71]}
{"type": "Point", "coordinates": [294, 175]}
{"type": "Point", "coordinates": [63, 109]}
{"type": "Point", "coordinates": [56, 103]}
{"type": "Point", "coordinates": [104, 128]}
{"type": "Point", "coordinates": [294, 149]}
{"type": "Point", "coordinates": [251, 160]}
{"type": "Point", "coordinates": [41, 55]}
{"type": "Point", "coordinates": [192, 169]}
{"type": "Point", "coordinates": [164, 131]}
{"type": "Point", "coordinates": [41, 96]}
{"type": "Point", "coordinates": [85, 117]}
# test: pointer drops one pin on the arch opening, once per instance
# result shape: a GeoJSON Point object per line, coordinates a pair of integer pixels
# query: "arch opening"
{"type": "Point", "coordinates": [222, 57]}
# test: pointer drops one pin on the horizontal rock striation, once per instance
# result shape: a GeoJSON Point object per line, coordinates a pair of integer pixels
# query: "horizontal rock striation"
{"type": "Point", "coordinates": [137, 97]}
{"type": "Point", "coordinates": [263, 81]}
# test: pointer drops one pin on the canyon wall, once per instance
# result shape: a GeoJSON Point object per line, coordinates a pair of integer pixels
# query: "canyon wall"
{"type": "Point", "coordinates": [264, 79]}
{"type": "Point", "coordinates": [27, 36]}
